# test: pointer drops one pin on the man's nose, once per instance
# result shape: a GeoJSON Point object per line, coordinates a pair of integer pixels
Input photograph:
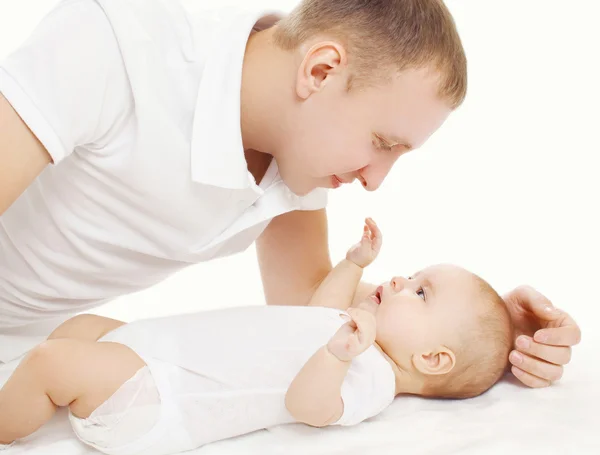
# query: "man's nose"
{"type": "Point", "coordinates": [375, 173]}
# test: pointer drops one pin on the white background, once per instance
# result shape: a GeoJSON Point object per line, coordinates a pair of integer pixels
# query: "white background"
{"type": "Point", "coordinates": [508, 187]}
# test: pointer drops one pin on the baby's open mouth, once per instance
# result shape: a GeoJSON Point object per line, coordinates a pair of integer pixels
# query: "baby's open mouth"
{"type": "Point", "coordinates": [377, 295]}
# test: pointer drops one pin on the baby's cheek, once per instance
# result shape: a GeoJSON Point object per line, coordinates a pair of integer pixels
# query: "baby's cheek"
{"type": "Point", "coordinates": [392, 329]}
{"type": "Point", "coordinates": [401, 333]}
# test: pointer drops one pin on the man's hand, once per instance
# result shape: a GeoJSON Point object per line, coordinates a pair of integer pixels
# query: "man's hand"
{"type": "Point", "coordinates": [544, 336]}
{"type": "Point", "coordinates": [355, 336]}
{"type": "Point", "coordinates": [365, 251]}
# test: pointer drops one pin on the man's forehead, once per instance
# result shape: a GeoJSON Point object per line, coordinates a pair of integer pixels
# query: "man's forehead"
{"type": "Point", "coordinates": [413, 114]}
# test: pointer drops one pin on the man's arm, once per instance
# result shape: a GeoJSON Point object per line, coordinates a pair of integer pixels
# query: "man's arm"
{"type": "Point", "coordinates": [88, 327]}
{"type": "Point", "coordinates": [293, 255]}
{"type": "Point", "coordinates": [22, 156]}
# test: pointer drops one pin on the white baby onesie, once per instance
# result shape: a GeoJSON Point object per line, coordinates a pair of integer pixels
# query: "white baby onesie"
{"type": "Point", "coordinates": [225, 373]}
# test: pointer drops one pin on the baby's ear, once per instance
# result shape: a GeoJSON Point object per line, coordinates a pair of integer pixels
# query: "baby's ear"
{"type": "Point", "coordinates": [440, 361]}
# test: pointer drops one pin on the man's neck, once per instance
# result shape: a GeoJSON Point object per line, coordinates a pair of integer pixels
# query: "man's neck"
{"type": "Point", "coordinates": [258, 164]}
{"type": "Point", "coordinates": [262, 82]}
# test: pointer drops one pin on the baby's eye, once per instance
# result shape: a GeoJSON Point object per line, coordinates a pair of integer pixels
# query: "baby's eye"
{"type": "Point", "coordinates": [421, 293]}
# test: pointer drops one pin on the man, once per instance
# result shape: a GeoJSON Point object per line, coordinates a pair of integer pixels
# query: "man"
{"type": "Point", "coordinates": [177, 135]}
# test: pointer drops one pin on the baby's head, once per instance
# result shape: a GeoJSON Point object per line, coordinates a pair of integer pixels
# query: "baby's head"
{"type": "Point", "coordinates": [446, 329]}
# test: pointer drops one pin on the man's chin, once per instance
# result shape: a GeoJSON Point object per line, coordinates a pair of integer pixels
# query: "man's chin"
{"type": "Point", "coordinates": [303, 187]}
{"type": "Point", "coordinates": [301, 193]}
{"type": "Point", "coordinates": [299, 190]}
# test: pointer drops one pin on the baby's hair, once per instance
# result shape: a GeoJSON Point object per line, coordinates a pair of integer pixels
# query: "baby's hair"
{"type": "Point", "coordinates": [482, 351]}
{"type": "Point", "coordinates": [383, 36]}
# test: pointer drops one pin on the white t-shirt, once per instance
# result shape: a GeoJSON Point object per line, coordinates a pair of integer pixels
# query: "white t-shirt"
{"type": "Point", "coordinates": [234, 367]}
{"type": "Point", "coordinates": [138, 103]}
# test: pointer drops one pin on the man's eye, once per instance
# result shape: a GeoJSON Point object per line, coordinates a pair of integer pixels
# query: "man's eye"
{"type": "Point", "coordinates": [384, 146]}
{"type": "Point", "coordinates": [381, 144]}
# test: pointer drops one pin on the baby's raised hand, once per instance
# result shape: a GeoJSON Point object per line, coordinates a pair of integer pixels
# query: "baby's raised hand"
{"type": "Point", "coordinates": [365, 252]}
{"type": "Point", "coordinates": [355, 336]}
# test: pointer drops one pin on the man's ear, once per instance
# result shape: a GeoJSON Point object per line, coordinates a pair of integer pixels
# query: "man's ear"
{"type": "Point", "coordinates": [321, 61]}
{"type": "Point", "coordinates": [439, 361]}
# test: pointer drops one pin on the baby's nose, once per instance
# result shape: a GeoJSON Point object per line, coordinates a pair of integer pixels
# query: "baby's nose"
{"type": "Point", "coordinates": [398, 283]}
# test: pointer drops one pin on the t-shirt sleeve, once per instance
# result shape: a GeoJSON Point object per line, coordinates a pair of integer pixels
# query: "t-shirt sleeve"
{"type": "Point", "coordinates": [67, 81]}
{"type": "Point", "coordinates": [368, 389]}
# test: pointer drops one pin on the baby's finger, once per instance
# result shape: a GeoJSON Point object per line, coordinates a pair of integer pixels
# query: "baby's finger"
{"type": "Point", "coordinates": [557, 355]}
{"type": "Point", "coordinates": [350, 324]}
{"type": "Point", "coordinates": [376, 236]}
{"type": "Point", "coordinates": [365, 321]}
{"type": "Point", "coordinates": [362, 317]}
{"type": "Point", "coordinates": [366, 237]}
{"type": "Point", "coordinates": [370, 225]}
{"type": "Point", "coordinates": [539, 368]}
{"type": "Point", "coordinates": [344, 333]}
{"type": "Point", "coordinates": [370, 304]}
{"type": "Point", "coordinates": [529, 379]}
{"type": "Point", "coordinates": [367, 336]}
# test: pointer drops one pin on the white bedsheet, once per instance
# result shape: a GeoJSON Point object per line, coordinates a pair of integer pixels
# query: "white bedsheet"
{"type": "Point", "coordinates": [511, 419]}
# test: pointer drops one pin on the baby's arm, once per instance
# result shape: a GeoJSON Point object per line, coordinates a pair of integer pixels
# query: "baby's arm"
{"type": "Point", "coordinates": [315, 395]}
{"type": "Point", "coordinates": [339, 287]}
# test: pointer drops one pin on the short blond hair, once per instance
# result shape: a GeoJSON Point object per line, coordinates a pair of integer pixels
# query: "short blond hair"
{"type": "Point", "coordinates": [481, 352]}
{"type": "Point", "coordinates": [383, 36]}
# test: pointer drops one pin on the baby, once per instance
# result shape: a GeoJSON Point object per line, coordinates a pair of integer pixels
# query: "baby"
{"type": "Point", "coordinates": [172, 384]}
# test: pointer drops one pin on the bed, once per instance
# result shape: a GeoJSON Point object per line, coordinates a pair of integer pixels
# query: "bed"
{"type": "Point", "coordinates": [510, 418]}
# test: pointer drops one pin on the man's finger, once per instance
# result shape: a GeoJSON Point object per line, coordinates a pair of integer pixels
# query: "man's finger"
{"type": "Point", "coordinates": [539, 368]}
{"type": "Point", "coordinates": [533, 301]}
{"type": "Point", "coordinates": [529, 379]}
{"type": "Point", "coordinates": [557, 355]}
{"type": "Point", "coordinates": [568, 335]}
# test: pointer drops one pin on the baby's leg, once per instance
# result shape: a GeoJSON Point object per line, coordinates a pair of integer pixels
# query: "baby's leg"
{"type": "Point", "coordinates": [62, 372]}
